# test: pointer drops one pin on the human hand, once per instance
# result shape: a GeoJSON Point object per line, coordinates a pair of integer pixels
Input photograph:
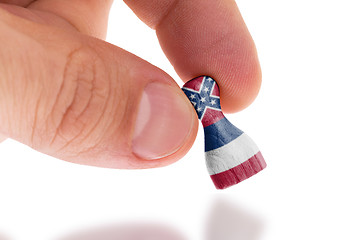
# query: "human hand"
{"type": "Point", "coordinates": [66, 93]}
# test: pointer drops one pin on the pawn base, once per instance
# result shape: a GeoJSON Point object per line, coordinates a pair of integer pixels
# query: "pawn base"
{"type": "Point", "coordinates": [239, 173]}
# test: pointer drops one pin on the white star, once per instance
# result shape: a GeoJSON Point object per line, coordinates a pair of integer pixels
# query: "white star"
{"type": "Point", "coordinates": [213, 102]}
{"type": "Point", "coordinates": [192, 96]}
{"type": "Point", "coordinates": [206, 89]}
{"type": "Point", "coordinates": [199, 109]}
{"type": "Point", "coordinates": [194, 103]}
{"type": "Point", "coordinates": [203, 99]}
{"type": "Point", "coordinates": [210, 79]}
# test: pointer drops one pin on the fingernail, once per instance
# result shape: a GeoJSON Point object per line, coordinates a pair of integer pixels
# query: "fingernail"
{"type": "Point", "coordinates": [164, 121]}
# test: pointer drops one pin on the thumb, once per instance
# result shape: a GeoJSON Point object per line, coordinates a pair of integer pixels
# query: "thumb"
{"type": "Point", "coordinates": [83, 100]}
{"type": "Point", "coordinates": [2, 138]}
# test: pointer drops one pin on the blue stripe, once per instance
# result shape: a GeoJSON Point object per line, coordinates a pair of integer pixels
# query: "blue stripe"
{"type": "Point", "coordinates": [220, 134]}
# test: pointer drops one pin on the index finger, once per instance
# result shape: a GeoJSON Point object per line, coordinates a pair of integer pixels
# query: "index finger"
{"type": "Point", "coordinates": [206, 38]}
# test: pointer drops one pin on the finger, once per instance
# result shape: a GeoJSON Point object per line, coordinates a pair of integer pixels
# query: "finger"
{"type": "Point", "coordinates": [206, 38]}
{"type": "Point", "coordinates": [80, 99]}
{"type": "Point", "coordinates": [22, 3]}
{"type": "Point", "coordinates": [87, 16]}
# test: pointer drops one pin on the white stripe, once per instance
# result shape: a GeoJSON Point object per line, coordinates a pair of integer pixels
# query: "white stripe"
{"type": "Point", "coordinates": [202, 84]}
{"type": "Point", "coordinates": [212, 89]}
{"type": "Point", "coordinates": [191, 90]}
{"type": "Point", "coordinates": [230, 155]}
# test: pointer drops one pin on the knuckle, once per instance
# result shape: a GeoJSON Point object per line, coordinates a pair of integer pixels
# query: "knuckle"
{"type": "Point", "coordinates": [81, 101]}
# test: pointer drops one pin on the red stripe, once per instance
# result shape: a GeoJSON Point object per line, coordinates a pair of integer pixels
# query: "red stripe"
{"type": "Point", "coordinates": [239, 173]}
{"type": "Point", "coordinates": [211, 116]}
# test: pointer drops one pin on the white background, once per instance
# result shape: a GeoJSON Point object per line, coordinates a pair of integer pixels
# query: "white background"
{"type": "Point", "coordinates": [295, 121]}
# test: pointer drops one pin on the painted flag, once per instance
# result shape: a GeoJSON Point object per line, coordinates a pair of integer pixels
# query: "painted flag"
{"type": "Point", "coordinates": [231, 155]}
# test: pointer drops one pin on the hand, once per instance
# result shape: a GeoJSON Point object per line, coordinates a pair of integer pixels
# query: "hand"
{"type": "Point", "coordinates": [66, 93]}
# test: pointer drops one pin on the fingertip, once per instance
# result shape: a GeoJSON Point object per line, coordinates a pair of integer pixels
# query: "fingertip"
{"type": "Point", "coordinates": [212, 39]}
{"type": "Point", "coordinates": [240, 85]}
{"type": "Point", "coordinates": [239, 78]}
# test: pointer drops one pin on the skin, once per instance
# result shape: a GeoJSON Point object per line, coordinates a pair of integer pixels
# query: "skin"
{"type": "Point", "coordinates": [53, 53]}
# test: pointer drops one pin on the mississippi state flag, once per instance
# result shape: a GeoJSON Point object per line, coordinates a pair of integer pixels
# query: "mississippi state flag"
{"type": "Point", "coordinates": [231, 155]}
